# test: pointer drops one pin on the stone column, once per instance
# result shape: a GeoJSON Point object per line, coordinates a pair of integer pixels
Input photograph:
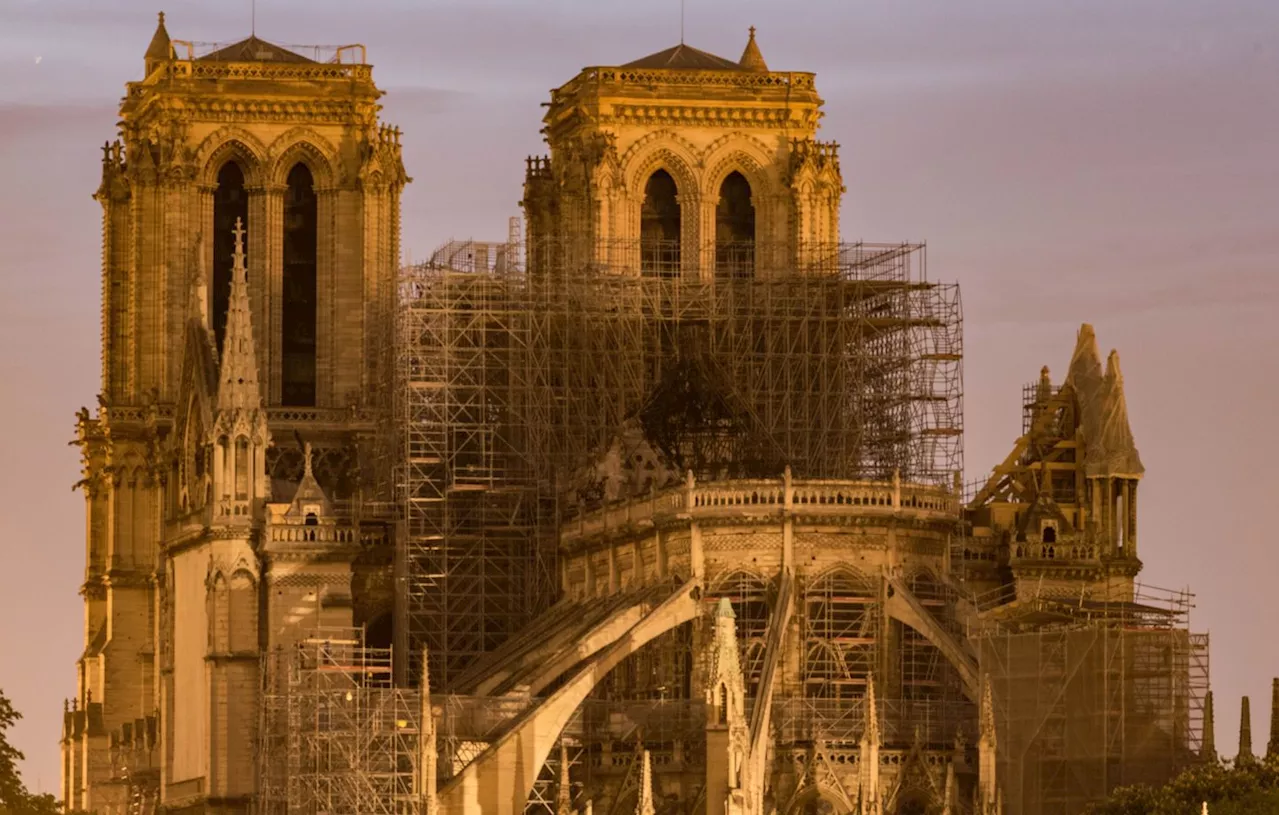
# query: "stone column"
{"type": "Point", "coordinates": [330, 308]}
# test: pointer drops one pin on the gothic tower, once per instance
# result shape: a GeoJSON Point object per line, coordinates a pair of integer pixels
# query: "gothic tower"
{"type": "Point", "coordinates": [685, 164]}
{"type": "Point", "coordinates": [1065, 499]}
{"type": "Point", "coordinates": [250, 243]}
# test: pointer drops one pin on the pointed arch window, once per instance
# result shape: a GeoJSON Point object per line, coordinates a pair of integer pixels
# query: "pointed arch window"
{"type": "Point", "coordinates": [660, 227]}
{"type": "Point", "coordinates": [298, 317]}
{"type": "Point", "coordinates": [749, 595]}
{"type": "Point", "coordinates": [735, 228]}
{"type": "Point", "coordinates": [242, 636]}
{"type": "Point", "coordinates": [230, 201]}
{"type": "Point", "coordinates": [842, 620]}
{"type": "Point", "coordinates": [243, 465]}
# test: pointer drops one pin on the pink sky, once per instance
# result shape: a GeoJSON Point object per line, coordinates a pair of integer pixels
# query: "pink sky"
{"type": "Point", "coordinates": [1092, 161]}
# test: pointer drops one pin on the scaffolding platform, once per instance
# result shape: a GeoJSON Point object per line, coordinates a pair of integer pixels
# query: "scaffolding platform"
{"type": "Point", "coordinates": [516, 365]}
{"type": "Point", "coordinates": [1092, 695]}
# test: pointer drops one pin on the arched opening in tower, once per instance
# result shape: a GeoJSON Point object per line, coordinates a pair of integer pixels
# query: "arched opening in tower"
{"type": "Point", "coordinates": [298, 318]}
{"type": "Point", "coordinates": [660, 227]}
{"type": "Point", "coordinates": [229, 203]}
{"type": "Point", "coordinates": [735, 228]}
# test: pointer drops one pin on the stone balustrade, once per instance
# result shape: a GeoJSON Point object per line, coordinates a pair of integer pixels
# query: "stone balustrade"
{"type": "Point", "coordinates": [1065, 551]}
{"type": "Point", "coordinates": [314, 534]}
{"type": "Point", "coordinates": [763, 497]}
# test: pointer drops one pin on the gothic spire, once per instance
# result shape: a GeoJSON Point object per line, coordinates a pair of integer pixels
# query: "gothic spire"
{"type": "Point", "coordinates": [1273, 742]}
{"type": "Point", "coordinates": [869, 755]}
{"type": "Point", "coordinates": [725, 685]}
{"type": "Point", "coordinates": [752, 59]}
{"type": "Point", "coordinates": [644, 802]}
{"type": "Point", "coordinates": [238, 373]}
{"type": "Point", "coordinates": [1208, 749]}
{"type": "Point", "coordinates": [1245, 753]}
{"type": "Point", "coordinates": [989, 800]}
{"type": "Point", "coordinates": [872, 730]}
{"type": "Point", "coordinates": [160, 48]}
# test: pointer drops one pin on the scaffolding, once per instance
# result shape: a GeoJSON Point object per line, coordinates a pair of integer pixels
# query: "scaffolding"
{"type": "Point", "coordinates": [1089, 696]}
{"type": "Point", "coordinates": [336, 736]}
{"type": "Point", "coordinates": [518, 365]}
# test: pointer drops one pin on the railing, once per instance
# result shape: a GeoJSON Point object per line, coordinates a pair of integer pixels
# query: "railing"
{"type": "Point", "coordinates": [136, 413]}
{"type": "Point", "coordinates": [313, 534]}
{"type": "Point", "coordinates": [776, 264]}
{"type": "Point", "coordinates": [648, 77]}
{"type": "Point", "coordinates": [143, 413]}
{"type": "Point", "coordinates": [317, 415]}
{"type": "Point", "coordinates": [720, 498]}
{"type": "Point", "coordinates": [324, 62]}
{"type": "Point", "coordinates": [1054, 551]}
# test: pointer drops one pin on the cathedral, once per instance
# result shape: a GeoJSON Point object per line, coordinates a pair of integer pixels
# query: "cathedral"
{"type": "Point", "coordinates": [654, 507]}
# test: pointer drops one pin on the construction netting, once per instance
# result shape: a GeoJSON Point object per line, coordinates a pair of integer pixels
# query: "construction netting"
{"type": "Point", "coordinates": [1081, 710]}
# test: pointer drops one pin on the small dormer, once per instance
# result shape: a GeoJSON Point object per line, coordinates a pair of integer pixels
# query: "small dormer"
{"type": "Point", "coordinates": [310, 505]}
{"type": "Point", "coordinates": [1045, 532]}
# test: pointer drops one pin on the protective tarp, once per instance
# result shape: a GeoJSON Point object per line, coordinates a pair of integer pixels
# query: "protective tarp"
{"type": "Point", "coordinates": [1104, 415]}
{"type": "Point", "coordinates": [1079, 712]}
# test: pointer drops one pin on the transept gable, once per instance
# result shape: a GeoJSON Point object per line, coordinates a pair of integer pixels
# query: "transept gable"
{"type": "Point", "coordinates": [916, 775]}
{"type": "Point", "coordinates": [819, 778]}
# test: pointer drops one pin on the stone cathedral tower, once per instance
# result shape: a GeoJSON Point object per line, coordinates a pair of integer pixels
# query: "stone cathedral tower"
{"type": "Point", "coordinates": [705, 166]}
{"type": "Point", "coordinates": [250, 243]}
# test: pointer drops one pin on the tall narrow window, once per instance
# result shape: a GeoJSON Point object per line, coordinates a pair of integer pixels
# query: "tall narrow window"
{"type": "Point", "coordinates": [298, 318]}
{"type": "Point", "coordinates": [242, 467]}
{"type": "Point", "coordinates": [1119, 517]}
{"type": "Point", "coordinates": [229, 203]}
{"type": "Point", "coordinates": [735, 228]}
{"type": "Point", "coordinates": [660, 227]}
